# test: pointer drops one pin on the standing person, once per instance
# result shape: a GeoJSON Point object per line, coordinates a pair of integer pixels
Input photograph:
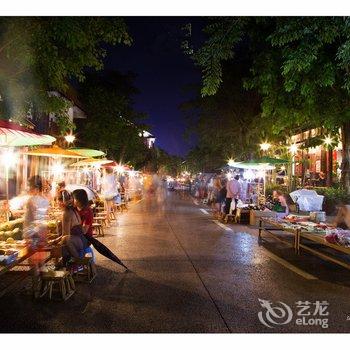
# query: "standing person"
{"type": "Point", "coordinates": [109, 191]}
{"type": "Point", "coordinates": [217, 196]}
{"type": "Point", "coordinates": [342, 219]}
{"type": "Point", "coordinates": [34, 226]}
{"type": "Point", "coordinates": [233, 192]}
{"type": "Point", "coordinates": [244, 189]}
{"type": "Point", "coordinates": [35, 214]}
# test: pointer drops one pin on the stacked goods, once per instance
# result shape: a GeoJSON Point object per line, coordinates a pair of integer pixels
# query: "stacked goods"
{"type": "Point", "coordinates": [12, 245]}
{"type": "Point", "coordinates": [338, 236]}
{"type": "Point", "coordinates": [12, 229]}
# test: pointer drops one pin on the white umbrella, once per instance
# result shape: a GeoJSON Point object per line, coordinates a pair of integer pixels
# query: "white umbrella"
{"type": "Point", "coordinates": [89, 191]}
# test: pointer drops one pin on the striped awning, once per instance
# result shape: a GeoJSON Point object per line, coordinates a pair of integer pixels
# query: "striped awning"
{"type": "Point", "coordinates": [14, 135]}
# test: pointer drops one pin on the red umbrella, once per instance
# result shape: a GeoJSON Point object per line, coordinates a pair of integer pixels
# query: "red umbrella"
{"type": "Point", "coordinates": [110, 165]}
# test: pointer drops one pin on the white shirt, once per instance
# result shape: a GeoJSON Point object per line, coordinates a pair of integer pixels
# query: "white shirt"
{"type": "Point", "coordinates": [109, 186]}
{"type": "Point", "coordinates": [234, 189]}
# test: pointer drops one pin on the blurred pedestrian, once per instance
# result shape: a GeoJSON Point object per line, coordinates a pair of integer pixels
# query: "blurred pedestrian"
{"type": "Point", "coordinates": [35, 228]}
{"type": "Point", "coordinates": [109, 191]}
{"type": "Point", "coordinates": [35, 214]}
{"type": "Point", "coordinates": [233, 193]}
{"type": "Point", "coordinates": [217, 196]}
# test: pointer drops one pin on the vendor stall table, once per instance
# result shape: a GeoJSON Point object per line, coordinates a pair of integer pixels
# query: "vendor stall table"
{"type": "Point", "coordinates": [274, 226]}
{"type": "Point", "coordinates": [22, 268]}
{"type": "Point", "coordinates": [326, 254]}
{"type": "Point", "coordinates": [302, 236]}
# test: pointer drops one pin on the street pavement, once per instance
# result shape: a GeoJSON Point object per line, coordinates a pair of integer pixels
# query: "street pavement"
{"type": "Point", "coordinates": [190, 273]}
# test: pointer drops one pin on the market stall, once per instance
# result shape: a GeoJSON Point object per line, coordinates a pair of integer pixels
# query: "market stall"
{"type": "Point", "coordinates": [88, 172]}
{"type": "Point", "coordinates": [318, 238]}
{"type": "Point", "coordinates": [253, 203]}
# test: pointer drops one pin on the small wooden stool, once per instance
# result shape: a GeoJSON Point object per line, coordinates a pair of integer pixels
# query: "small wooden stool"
{"type": "Point", "coordinates": [98, 228]}
{"type": "Point", "coordinates": [101, 219]}
{"type": "Point", "coordinates": [88, 273]}
{"type": "Point", "coordinates": [60, 283]}
{"type": "Point", "coordinates": [112, 215]}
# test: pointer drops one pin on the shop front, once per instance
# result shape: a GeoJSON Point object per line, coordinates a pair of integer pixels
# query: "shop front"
{"type": "Point", "coordinates": [318, 158]}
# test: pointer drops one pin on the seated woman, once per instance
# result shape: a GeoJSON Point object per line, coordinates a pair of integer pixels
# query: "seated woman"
{"type": "Point", "coordinates": [280, 204]}
{"type": "Point", "coordinates": [72, 237]}
{"type": "Point", "coordinates": [82, 206]}
{"type": "Point", "coordinates": [342, 220]}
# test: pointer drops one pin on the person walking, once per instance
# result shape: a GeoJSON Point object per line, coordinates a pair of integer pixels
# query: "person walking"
{"type": "Point", "coordinates": [35, 228]}
{"type": "Point", "coordinates": [109, 191]}
{"type": "Point", "coordinates": [217, 197]}
{"type": "Point", "coordinates": [233, 192]}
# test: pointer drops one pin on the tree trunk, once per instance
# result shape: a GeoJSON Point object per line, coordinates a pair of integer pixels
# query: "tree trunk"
{"type": "Point", "coordinates": [329, 170]}
{"type": "Point", "coordinates": [345, 167]}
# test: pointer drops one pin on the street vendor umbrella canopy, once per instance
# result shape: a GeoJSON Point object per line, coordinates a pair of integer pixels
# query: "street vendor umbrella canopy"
{"type": "Point", "coordinates": [88, 152]}
{"type": "Point", "coordinates": [53, 151]}
{"type": "Point", "coordinates": [14, 135]}
{"type": "Point", "coordinates": [111, 164]}
{"type": "Point", "coordinates": [252, 164]}
{"type": "Point", "coordinates": [91, 193]}
{"type": "Point", "coordinates": [91, 162]}
{"type": "Point", "coordinates": [272, 161]}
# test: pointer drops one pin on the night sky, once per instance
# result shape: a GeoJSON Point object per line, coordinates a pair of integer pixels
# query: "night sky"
{"type": "Point", "coordinates": [162, 70]}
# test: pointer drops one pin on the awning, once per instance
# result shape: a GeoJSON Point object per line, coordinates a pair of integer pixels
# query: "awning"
{"type": "Point", "coordinates": [14, 135]}
{"type": "Point", "coordinates": [88, 152]}
{"type": "Point", "coordinates": [91, 162]}
{"type": "Point", "coordinates": [273, 161]}
{"type": "Point", "coordinates": [54, 152]}
{"type": "Point", "coordinates": [251, 165]}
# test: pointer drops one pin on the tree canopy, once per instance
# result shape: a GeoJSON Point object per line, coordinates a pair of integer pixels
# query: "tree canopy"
{"type": "Point", "coordinates": [112, 125]}
{"type": "Point", "coordinates": [40, 54]}
{"type": "Point", "coordinates": [225, 124]}
{"type": "Point", "coordinates": [299, 67]}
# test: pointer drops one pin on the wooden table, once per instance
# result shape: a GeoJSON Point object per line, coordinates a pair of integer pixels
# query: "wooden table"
{"type": "Point", "coordinates": [319, 238]}
{"type": "Point", "coordinates": [24, 266]}
{"type": "Point", "coordinates": [275, 226]}
{"type": "Point", "coordinates": [300, 236]}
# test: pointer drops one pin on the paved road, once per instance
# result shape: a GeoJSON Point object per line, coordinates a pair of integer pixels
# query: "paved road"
{"type": "Point", "coordinates": [189, 275]}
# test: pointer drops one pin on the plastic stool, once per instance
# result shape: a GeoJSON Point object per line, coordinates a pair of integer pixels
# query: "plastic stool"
{"type": "Point", "coordinates": [88, 251]}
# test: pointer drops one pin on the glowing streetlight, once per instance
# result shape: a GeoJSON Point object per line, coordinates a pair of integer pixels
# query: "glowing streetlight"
{"type": "Point", "coordinates": [283, 168]}
{"type": "Point", "coordinates": [119, 168]}
{"type": "Point", "coordinates": [231, 162]}
{"type": "Point", "coordinates": [70, 138]}
{"type": "Point", "coordinates": [328, 141]}
{"type": "Point", "coordinates": [293, 149]}
{"type": "Point", "coordinates": [265, 146]}
{"type": "Point", "coordinates": [9, 158]}
{"type": "Point", "coordinates": [57, 169]}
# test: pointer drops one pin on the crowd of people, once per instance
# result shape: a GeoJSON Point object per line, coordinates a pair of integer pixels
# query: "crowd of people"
{"type": "Point", "coordinates": [225, 191]}
{"type": "Point", "coordinates": [75, 231]}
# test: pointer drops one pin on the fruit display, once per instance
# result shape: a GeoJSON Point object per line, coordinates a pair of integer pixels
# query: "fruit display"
{"type": "Point", "coordinates": [12, 229]}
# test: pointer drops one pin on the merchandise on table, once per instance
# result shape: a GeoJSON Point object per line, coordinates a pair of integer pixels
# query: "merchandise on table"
{"type": "Point", "coordinates": [338, 236]}
{"type": "Point", "coordinates": [8, 256]}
